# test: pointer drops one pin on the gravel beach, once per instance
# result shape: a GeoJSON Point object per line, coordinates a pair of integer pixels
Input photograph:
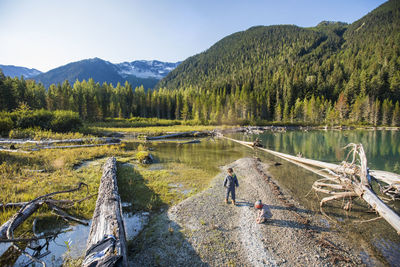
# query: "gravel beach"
{"type": "Point", "coordinates": [204, 231]}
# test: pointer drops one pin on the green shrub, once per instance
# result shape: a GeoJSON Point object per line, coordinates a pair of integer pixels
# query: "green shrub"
{"type": "Point", "coordinates": [65, 121]}
{"type": "Point", "coordinates": [142, 156]}
{"type": "Point", "coordinates": [36, 118]}
{"type": "Point", "coordinates": [6, 124]}
{"type": "Point", "coordinates": [19, 133]}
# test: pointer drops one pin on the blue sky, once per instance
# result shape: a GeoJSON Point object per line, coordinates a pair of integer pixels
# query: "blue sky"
{"type": "Point", "coordinates": [45, 34]}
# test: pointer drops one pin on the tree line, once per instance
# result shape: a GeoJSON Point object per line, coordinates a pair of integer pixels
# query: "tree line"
{"type": "Point", "coordinates": [240, 105]}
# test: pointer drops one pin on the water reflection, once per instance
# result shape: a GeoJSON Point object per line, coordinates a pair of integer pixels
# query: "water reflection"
{"type": "Point", "coordinates": [382, 148]}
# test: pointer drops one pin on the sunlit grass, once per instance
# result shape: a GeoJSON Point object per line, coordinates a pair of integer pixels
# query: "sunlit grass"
{"type": "Point", "coordinates": [149, 189]}
{"type": "Point", "coordinates": [39, 134]}
{"type": "Point", "coordinates": [27, 176]}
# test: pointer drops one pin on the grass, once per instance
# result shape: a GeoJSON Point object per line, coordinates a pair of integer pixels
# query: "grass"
{"type": "Point", "coordinates": [148, 189]}
{"type": "Point", "coordinates": [39, 134]}
{"type": "Point", "coordinates": [21, 182]}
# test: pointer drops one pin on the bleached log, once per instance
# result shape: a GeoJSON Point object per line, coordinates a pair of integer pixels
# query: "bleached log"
{"type": "Point", "coordinates": [384, 176]}
{"type": "Point", "coordinates": [107, 217]}
{"type": "Point", "coordinates": [14, 150]}
{"type": "Point", "coordinates": [19, 218]}
{"type": "Point", "coordinates": [13, 205]}
{"type": "Point", "coordinates": [75, 146]}
{"type": "Point", "coordinates": [362, 189]}
{"type": "Point", "coordinates": [181, 134]}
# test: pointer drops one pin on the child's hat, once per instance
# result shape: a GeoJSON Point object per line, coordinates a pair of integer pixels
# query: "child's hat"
{"type": "Point", "coordinates": [258, 204]}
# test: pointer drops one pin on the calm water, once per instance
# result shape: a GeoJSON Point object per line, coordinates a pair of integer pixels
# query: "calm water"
{"type": "Point", "coordinates": [379, 241]}
{"type": "Point", "coordinates": [377, 238]}
{"type": "Point", "coordinates": [382, 148]}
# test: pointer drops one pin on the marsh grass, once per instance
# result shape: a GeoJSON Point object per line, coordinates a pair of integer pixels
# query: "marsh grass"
{"type": "Point", "coordinates": [39, 134]}
{"type": "Point", "coordinates": [21, 181]}
{"type": "Point", "coordinates": [175, 176]}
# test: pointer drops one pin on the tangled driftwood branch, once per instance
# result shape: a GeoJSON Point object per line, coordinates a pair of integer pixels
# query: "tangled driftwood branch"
{"type": "Point", "coordinates": [28, 208]}
{"type": "Point", "coordinates": [346, 180]}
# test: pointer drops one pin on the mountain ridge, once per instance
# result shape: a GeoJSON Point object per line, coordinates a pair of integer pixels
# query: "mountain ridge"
{"type": "Point", "coordinates": [289, 62]}
{"type": "Point", "coordinates": [138, 72]}
{"type": "Point", "coordinates": [17, 71]}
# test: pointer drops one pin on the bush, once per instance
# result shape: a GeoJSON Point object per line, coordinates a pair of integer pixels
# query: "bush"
{"type": "Point", "coordinates": [65, 121]}
{"type": "Point", "coordinates": [37, 118]}
{"type": "Point", "coordinates": [22, 133]}
{"type": "Point", "coordinates": [142, 155]}
{"type": "Point", "coordinates": [6, 124]}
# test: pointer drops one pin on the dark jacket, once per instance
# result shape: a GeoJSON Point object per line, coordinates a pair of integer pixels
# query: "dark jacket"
{"type": "Point", "coordinates": [231, 181]}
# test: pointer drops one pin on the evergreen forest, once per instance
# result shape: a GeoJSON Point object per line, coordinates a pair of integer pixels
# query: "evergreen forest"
{"type": "Point", "coordinates": [334, 73]}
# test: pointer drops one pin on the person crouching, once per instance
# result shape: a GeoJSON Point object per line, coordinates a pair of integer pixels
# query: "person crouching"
{"type": "Point", "coordinates": [230, 183]}
{"type": "Point", "coordinates": [262, 212]}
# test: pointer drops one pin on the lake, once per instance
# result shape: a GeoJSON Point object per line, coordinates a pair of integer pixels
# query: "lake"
{"type": "Point", "coordinates": [379, 241]}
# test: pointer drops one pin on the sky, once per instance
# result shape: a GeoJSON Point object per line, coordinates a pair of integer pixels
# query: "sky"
{"type": "Point", "coordinates": [45, 34]}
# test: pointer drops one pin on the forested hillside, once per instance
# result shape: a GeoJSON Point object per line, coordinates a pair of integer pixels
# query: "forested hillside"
{"type": "Point", "coordinates": [276, 68]}
{"type": "Point", "coordinates": [333, 73]}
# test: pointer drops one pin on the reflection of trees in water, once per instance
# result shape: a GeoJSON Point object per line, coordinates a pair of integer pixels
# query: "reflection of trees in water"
{"type": "Point", "coordinates": [208, 155]}
{"type": "Point", "coordinates": [382, 147]}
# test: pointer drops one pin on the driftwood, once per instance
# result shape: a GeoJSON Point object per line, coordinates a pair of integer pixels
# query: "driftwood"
{"type": "Point", "coordinates": [195, 141]}
{"type": "Point", "coordinates": [14, 151]}
{"type": "Point", "coordinates": [107, 232]}
{"type": "Point", "coordinates": [384, 176]}
{"type": "Point", "coordinates": [74, 146]}
{"type": "Point", "coordinates": [19, 218]}
{"type": "Point", "coordinates": [181, 134]}
{"type": "Point", "coordinates": [350, 179]}
{"type": "Point", "coordinates": [27, 209]}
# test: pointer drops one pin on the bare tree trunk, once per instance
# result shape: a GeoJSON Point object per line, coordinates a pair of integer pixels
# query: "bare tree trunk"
{"type": "Point", "coordinates": [360, 187]}
{"type": "Point", "coordinates": [19, 218]}
{"type": "Point", "coordinates": [107, 220]}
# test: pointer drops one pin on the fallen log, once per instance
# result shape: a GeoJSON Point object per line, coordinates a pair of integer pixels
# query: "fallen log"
{"type": "Point", "coordinates": [352, 177]}
{"type": "Point", "coordinates": [14, 151]}
{"type": "Point", "coordinates": [107, 232]}
{"type": "Point", "coordinates": [19, 218]}
{"type": "Point", "coordinates": [384, 176]}
{"type": "Point", "coordinates": [196, 141]}
{"type": "Point", "coordinates": [181, 134]}
{"type": "Point", "coordinates": [74, 146]}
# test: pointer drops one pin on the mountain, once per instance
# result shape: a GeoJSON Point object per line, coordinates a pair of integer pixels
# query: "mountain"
{"type": "Point", "coordinates": [286, 62]}
{"type": "Point", "coordinates": [141, 72]}
{"type": "Point", "coordinates": [15, 71]}
{"type": "Point", "coordinates": [146, 69]}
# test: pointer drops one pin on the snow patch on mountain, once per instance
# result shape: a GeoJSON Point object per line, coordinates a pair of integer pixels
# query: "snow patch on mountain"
{"type": "Point", "coordinates": [146, 68]}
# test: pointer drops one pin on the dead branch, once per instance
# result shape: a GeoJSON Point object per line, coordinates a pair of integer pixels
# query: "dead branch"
{"type": "Point", "coordinates": [353, 178]}
{"type": "Point", "coordinates": [19, 218]}
{"type": "Point", "coordinates": [65, 215]}
{"type": "Point", "coordinates": [27, 209]}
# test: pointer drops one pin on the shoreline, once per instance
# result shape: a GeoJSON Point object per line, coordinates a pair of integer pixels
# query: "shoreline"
{"type": "Point", "coordinates": [204, 231]}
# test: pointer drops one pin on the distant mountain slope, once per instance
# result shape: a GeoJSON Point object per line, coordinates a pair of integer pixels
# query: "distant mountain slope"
{"type": "Point", "coordinates": [287, 62]}
{"type": "Point", "coordinates": [15, 71]}
{"type": "Point", "coordinates": [146, 69]}
{"type": "Point", "coordinates": [146, 73]}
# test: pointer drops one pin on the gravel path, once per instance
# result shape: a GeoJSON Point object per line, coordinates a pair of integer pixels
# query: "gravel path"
{"type": "Point", "coordinates": [204, 231]}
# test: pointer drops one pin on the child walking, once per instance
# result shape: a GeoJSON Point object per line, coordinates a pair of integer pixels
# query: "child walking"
{"type": "Point", "coordinates": [230, 183]}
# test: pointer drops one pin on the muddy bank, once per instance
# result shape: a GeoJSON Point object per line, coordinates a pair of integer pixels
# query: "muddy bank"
{"type": "Point", "coordinates": [204, 231]}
